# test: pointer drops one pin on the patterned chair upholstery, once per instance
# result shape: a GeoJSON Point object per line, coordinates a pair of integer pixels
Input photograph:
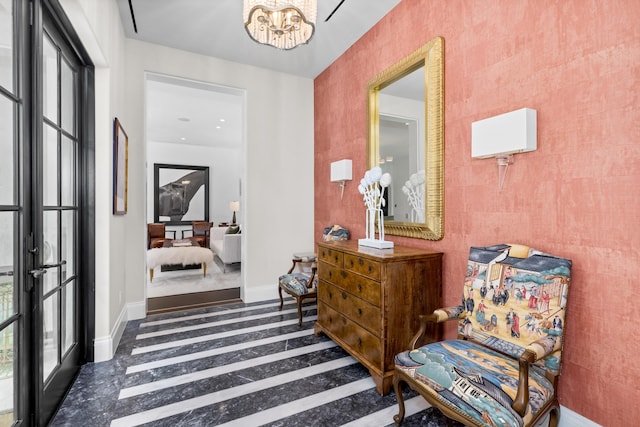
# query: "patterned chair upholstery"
{"type": "Point", "coordinates": [503, 369]}
{"type": "Point", "coordinates": [302, 283]}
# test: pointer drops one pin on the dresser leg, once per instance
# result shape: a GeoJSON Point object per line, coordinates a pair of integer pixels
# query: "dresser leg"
{"type": "Point", "coordinates": [384, 383]}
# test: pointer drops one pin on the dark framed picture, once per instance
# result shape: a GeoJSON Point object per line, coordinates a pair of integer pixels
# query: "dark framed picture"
{"type": "Point", "coordinates": [120, 168]}
{"type": "Point", "coordinates": [181, 194]}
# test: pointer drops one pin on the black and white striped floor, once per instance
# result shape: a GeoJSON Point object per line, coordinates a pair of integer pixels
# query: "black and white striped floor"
{"type": "Point", "coordinates": [232, 365]}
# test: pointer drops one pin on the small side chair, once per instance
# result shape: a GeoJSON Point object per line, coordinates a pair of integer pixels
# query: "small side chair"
{"type": "Point", "coordinates": [157, 235]}
{"type": "Point", "coordinates": [302, 283]}
{"type": "Point", "coordinates": [201, 232]}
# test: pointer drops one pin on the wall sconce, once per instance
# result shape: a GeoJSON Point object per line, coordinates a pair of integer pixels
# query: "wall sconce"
{"type": "Point", "coordinates": [341, 172]}
{"type": "Point", "coordinates": [504, 135]}
{"type": "Point", "coordinates": [234, 207]}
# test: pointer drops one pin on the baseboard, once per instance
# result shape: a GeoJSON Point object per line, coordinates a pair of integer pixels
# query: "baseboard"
{"type": "Point", "coordinates": [105, 347]}
{"type": "Point", "coordinates": [568, 418]}
{"type": "Point", "coordinates": [259, 293]}
{"type": "Point", "coordinates": [136, 310]}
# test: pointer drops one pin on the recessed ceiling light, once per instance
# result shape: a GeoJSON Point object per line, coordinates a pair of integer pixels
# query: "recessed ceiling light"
{"type": "Point", "coordinates": [183, 139]}
{"type": "Point", "coordinates": [218, 127]}
{"type": "Point", "coordinates": [184, 119]}
{"type": "Point", "coordinates": [222, 120]}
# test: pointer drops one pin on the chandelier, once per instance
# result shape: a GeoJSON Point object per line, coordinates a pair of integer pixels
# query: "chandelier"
{"type": "Point", "coordinates": [284, 24]}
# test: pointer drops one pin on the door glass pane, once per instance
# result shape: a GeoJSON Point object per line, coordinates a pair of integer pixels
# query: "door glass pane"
{"type": "Point", "coordinates": [50, 249]}
{"type": "Point", "coordinates": [50, 80]}
{"type": "Point", "coordinates": [6, 148]}
{"type": "Point", "coordinates": [68, 335]}
{"type": "Point", "coordinates": [67, 169]}
{"type": "Point", "coordinates": [50, 166]}
{"type": "Point", "coordinates": [67, 95]}
{"type": "Point", "coordinates": [68, 243]}
{"type": "Point", "coordinates": [7, 369]}
{"type": "Point", "coordinates": [6, 45]}
{"type": "Point", "coordinates": [7, 307]}
{"type": "Point", "coordinates": [49, 335]}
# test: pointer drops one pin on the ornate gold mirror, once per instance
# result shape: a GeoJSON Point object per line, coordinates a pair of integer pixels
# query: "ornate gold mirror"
{"type": "Point", "coordinates": [406, 139]}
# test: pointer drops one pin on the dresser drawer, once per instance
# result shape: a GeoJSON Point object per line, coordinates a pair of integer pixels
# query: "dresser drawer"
{"type": "Point", "coordinates": [356, 284]}
{"type": "Point", "coordinates": [357, 339]}
{"type": "Point", "coordinates": [360, 311]}
{"type": "Point", "coordinates": [330, 256]}
{"type": "Point", "coordinates": [362, 266]}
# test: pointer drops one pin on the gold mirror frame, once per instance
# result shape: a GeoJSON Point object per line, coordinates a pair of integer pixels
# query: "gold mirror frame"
{"type": "Point", "coordinates": [431, 56]}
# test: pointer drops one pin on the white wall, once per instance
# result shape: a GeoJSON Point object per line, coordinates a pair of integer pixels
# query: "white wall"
{"type": "Point", "coordinates": [99, 28]}
{"type": "Point", "coordinates": [277, 156]}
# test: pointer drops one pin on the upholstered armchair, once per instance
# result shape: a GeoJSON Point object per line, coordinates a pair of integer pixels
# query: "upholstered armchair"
{"type": "Point", "coordinates": [503, 369]}
{"type": "Point", "coordinates": [200, 231]}
{"type": "Point", "coordinates": [157, 235]}
{"type": "Point", "coordinates": [302, 283]}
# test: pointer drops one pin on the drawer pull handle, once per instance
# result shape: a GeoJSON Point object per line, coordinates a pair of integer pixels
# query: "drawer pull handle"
{"type": "Point", "coordinates": [370, 268]}
{"type": "Point", "coordinates": [343, 274]}
{"type": "Point", "coordinates": [330, 275]}
{"type": "Point", "coordinates": [361, 261]}
{"type": "Point", "coordinates": [359, 287]}
{"type": "Point", "coordinates": [344, 295]}
{"type": "Point", "coordinates": [351, 263]}
{"type": "Point", "coordinates": [359, 312]}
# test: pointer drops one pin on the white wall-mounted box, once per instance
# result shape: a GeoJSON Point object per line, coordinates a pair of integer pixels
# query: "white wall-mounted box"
{"type": "Point", "coordinates": [508, 133]}
{"type": "Point", "coordinates": [341, 170]}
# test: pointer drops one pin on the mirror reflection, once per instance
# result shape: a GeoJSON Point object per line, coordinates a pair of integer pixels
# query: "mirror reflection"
{"type": "Point", "coordinates": [401, 146]}
{"type": "Point", "coordinates": [406, 139]}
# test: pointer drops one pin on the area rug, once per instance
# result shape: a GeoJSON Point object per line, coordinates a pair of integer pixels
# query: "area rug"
{"type": "Point", "coordinates": [178, 282]}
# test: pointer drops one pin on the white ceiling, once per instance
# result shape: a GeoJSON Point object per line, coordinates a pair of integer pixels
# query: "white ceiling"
{"type": "Point", "coordinates": [214, 28]}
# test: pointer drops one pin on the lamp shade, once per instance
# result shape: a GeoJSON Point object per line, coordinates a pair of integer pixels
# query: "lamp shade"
{"type": "Point", "coordinates": [284, 24]}
{"type": "Point", "coordinates": [508, 133]}
{"type": "Point", "coordinates": [234, 206]}
{"type": "Point", "coordinates": [341, 170]}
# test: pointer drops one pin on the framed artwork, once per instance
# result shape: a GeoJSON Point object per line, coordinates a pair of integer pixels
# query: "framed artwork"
{"type": "Point", "coordinates": [120, 168]}
{"type": "Point", "coordinates": [181, 194]}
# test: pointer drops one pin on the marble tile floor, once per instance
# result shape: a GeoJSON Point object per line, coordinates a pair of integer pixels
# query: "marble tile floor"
{"type": "Point", "coordinates": [232, 365]}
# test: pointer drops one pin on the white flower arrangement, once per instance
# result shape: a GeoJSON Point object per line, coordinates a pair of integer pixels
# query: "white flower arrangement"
{"type": "Point", "coordinates": [372, 188]}
{"type": "Point", "coordinates": [414, 189]}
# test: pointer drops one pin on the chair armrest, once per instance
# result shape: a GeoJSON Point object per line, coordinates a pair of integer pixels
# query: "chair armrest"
{"type": "Point", "coordinates": [297, 260]}
{"type": "Point", "coordinates": [170, 231]}
{"type": "Point", "coordinates": [535, 351]}
{"type": "Point", "coordinates": [438, 316]}
{"type": "Point", "coordinates": [455, 312]}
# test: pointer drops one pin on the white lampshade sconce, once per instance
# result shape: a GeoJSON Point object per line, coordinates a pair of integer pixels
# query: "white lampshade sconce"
{"type": "Point", "coordinates": [341, 172]}
{"type": "Point", "coordinates": [504, 135]}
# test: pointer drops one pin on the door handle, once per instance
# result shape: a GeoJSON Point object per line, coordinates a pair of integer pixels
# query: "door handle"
{"type": "Point", "coordinates": [59, 264]}
{"type": "Point", "coordinates": [37, 273]}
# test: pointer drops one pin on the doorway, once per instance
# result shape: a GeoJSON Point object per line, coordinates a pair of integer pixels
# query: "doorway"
{"type": "Point", "coordinates": [194, 125]}
{"type": "Point", "coordinates": [46, 225]}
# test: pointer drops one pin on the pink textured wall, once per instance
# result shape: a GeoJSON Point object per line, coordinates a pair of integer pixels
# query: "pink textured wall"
{"type": "Point", "coordinates": [577, 62]}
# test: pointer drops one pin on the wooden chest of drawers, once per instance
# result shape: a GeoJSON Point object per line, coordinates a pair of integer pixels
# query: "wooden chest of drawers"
{"type": "Point", "coordinates": [369, 301]}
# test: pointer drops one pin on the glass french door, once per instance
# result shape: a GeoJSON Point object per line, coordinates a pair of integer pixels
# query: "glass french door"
{"type": "Point", "coordinates": [55, 222]}
{"type": "Point", "coordinates": [44, 326]}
